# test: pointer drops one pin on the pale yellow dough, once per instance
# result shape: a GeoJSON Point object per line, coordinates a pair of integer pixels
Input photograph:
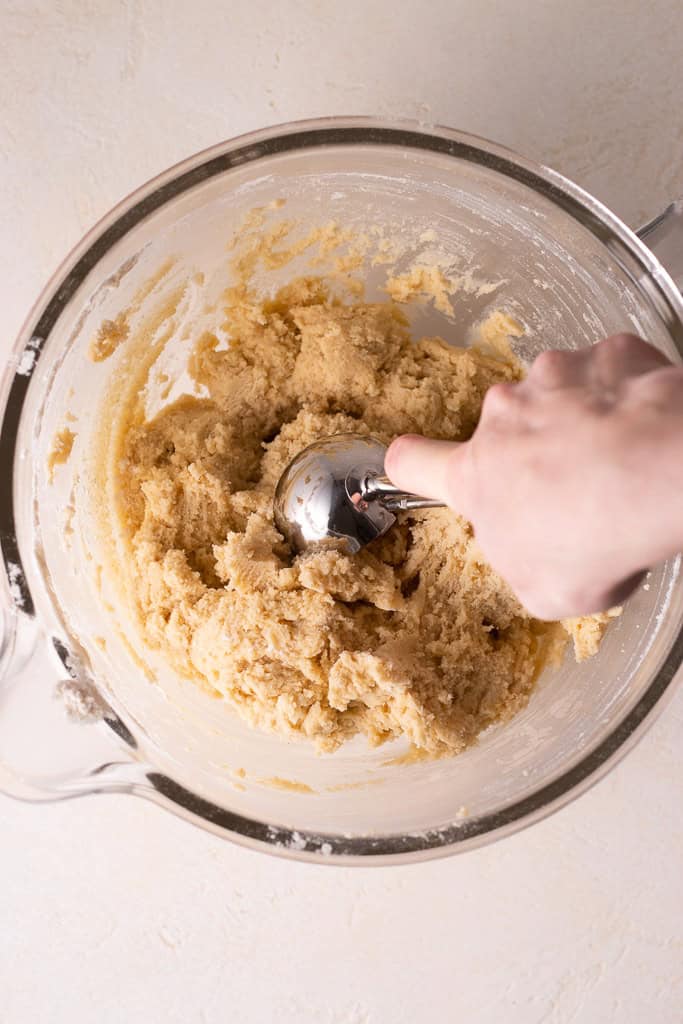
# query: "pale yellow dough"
{"type": "Point", "coordinates": [416, 636]}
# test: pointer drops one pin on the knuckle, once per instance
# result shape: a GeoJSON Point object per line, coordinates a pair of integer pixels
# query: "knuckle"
{"type": "Point", "coordinates": [662, 390]}
{"type": "Point", "coordinates": [634, 345]}
{"type": "Point", "coordinates": [624, 355]}
{"type": "Point", "coordinates": [551, 367]}
{"type": "Point", "coordinates": [623, 350]}
{"type": "Point", "coordinates": [499, 399]}
{"type": "Point", "coordinates": [622, 343]}
{"type": "Point", "coordinates": [551, 359]}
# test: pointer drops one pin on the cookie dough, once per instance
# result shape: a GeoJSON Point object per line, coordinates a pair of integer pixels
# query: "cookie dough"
{"type": "Point", "coordinates": [60, 452]}
{"type": "Point", "coordinates": [415, 636]}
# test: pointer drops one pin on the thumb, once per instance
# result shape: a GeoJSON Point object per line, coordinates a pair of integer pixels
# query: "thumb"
{"type": "Point", "coordinates": [427, 467]}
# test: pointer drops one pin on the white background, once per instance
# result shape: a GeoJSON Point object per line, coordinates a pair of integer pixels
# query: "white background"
{"type": "Point", "coordinates": [112, 910]}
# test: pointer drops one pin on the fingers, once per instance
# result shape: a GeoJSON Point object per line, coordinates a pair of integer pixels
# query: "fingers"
{"type": "Point", "coordinates": [554, 369]}
{"type": "Point", "coordinates": [433, 469]}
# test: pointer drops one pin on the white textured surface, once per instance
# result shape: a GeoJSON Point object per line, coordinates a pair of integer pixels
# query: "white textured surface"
{"type": "Point", "coordinates": [111, 910]}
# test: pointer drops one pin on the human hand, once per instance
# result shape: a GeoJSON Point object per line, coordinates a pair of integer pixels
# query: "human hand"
{"type": "Point", "coordinates": [573, 479]}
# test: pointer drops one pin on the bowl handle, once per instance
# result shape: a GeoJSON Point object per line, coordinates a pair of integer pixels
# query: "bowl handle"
{"type": "Point", "coordinates": [664, 236]}
{"type": "Point", "coordinates": [58, 738]}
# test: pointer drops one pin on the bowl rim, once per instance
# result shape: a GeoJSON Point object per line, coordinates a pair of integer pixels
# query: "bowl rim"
{"type": "Point", "coordinates": [172, 183]}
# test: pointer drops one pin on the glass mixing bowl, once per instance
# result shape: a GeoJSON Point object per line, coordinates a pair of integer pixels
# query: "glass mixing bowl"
{"type": "Point", "coordinates": [569, 269]}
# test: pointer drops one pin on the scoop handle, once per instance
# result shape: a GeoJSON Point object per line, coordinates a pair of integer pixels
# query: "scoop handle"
{"type": "Point", "coordinates": [664, 236]}
{"type": "Point", "coordinates": [381, 489]}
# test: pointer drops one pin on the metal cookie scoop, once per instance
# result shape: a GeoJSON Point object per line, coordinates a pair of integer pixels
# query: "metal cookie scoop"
{"type": "Point", "coordinates": [334, 493]}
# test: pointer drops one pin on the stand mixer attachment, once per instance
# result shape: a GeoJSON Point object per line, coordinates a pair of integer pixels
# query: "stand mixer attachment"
{"type": "Point", "coordinates": [334, 493]}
